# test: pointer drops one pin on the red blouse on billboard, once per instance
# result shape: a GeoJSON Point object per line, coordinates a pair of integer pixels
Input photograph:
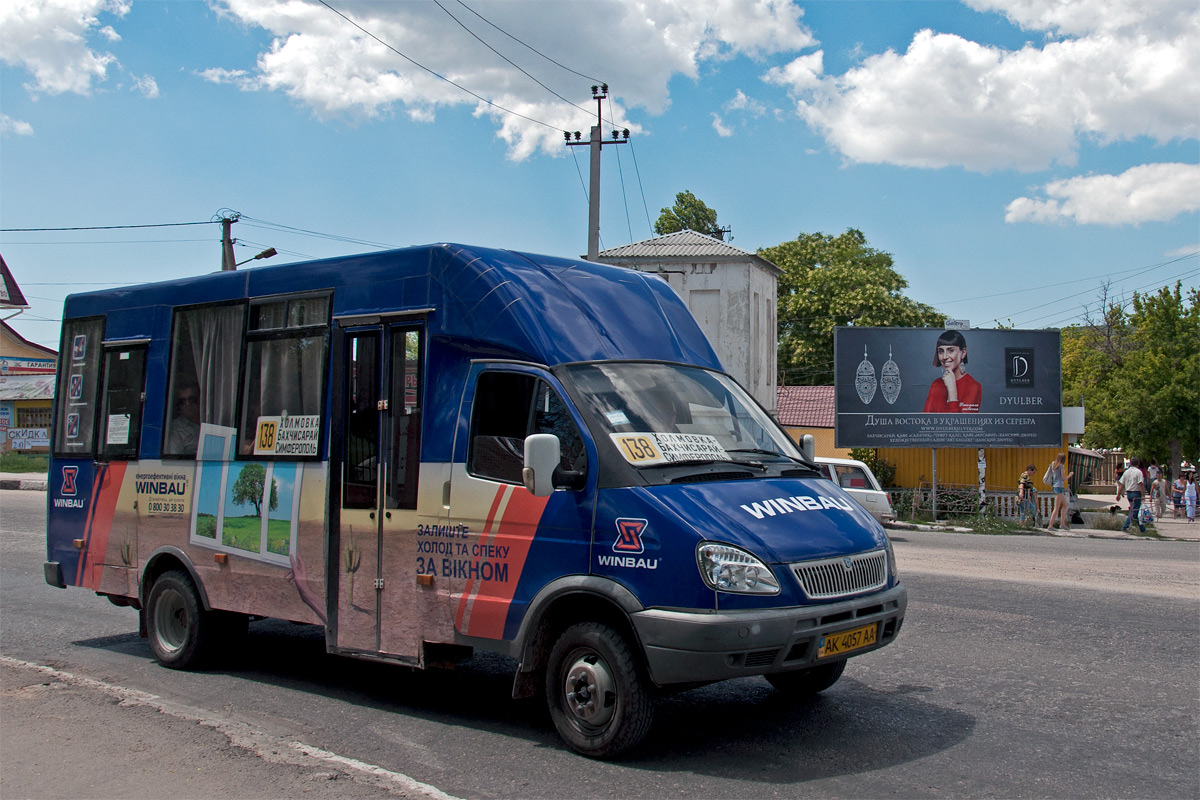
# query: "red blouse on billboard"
{"type": "Point", "coordinates": [969, 395]}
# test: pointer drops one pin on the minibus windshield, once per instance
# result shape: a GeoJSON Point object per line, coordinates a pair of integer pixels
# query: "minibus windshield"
{"type": "Point", "coordinates": [662, 414]}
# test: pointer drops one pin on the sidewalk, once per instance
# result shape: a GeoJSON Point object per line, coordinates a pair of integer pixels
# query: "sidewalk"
{"type": "Point", "coordinates": [1168, 528]}
{"type": "Point", "coordinates": [1091, 505]}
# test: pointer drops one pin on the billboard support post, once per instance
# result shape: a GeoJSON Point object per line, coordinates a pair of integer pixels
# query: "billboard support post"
{"type": "Point", "coordinates": [982, 481]}
{"type": "Point", "coordinates": [933, 494]}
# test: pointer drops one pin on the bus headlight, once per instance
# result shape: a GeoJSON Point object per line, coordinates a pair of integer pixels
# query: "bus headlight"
{"type": "Point", "coordinates": [731, 569]}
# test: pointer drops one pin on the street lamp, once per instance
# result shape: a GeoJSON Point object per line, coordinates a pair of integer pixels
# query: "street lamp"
{"type": "Point", "coordinates": [268, 253]}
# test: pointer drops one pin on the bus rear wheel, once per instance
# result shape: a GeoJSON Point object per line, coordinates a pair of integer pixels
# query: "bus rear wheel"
{"type": "Point", "coordinates": [179, 629]}
{"type": "Point", "coordinates": [600, 698]}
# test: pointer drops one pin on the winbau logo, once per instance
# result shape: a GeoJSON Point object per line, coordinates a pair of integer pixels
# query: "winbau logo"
{"type": "Point", "coordinates": [68, 490]}
{"type": "Point", "coordinates": [629, 543]}
{"type": "Point", "coordinates": [629, 539]}
{"type": "Point", "coordinates": [786, 505]}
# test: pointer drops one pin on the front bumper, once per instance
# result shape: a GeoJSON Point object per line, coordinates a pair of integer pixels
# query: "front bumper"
{"type": "Point", "coordinates": [696, 647]}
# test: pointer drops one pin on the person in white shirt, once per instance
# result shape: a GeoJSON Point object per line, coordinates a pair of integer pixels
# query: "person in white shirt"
{"type": "Point", "coordinates": [1132, 484]}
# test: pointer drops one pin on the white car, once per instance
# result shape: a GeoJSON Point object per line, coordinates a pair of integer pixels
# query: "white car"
{"type": "Point", "coordinates": [860, 483]}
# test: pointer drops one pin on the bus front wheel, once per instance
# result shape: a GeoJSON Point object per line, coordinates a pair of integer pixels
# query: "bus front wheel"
{"type": "Point", "coordinates": [177, 625]}
{"type": "Point", "coordinates": [600, 698]}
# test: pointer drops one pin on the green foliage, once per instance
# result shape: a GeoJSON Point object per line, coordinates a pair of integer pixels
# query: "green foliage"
{"type": "Point", "coordinates": [688, 213]}
{"type": "Point", "coordinates": [884, 471]}
{"type": "Point", "coordinates": [831, 281]}
{"type": "Point", "coordinates": [248, 488]}
{"type": "Point", "coordinates": [23, 462]}
{"type": "Point", "coordinates": [1138, 374]}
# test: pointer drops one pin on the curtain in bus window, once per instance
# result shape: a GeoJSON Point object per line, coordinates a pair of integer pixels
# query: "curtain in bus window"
{"type": "Point", "coordinates": [204, 370]}
{"type": "Point", "coordinates": [289, 375]}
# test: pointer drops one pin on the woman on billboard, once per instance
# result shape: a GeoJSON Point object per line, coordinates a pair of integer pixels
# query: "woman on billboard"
{"type": "Point", "coordinates": [955, 391]}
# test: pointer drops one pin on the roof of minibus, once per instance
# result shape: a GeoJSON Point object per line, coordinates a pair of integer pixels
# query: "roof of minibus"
{"type": "Point", "coordinates": [542, 308]}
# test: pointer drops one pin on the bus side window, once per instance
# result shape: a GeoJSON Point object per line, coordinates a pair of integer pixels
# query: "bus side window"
{"type": "Point", "coordinates": [285, 373]}
{"type": "Point", "coordinates": [503, 401]}
{"type": "Point", "coordinates": [121, 405]}
{"type": "Point", "coordinates": [78, 386]}
{"type": "Point", "coordinates": [507, 408]}
{"type": "Point", "coordinates": [206, 349]}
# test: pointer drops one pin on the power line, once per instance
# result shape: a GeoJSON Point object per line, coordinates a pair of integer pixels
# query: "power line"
{"type": "Point", "coordinates": [262, 223]}
{"type": "Point", "coordinates": [641, 188]}
{"type": "Point", "coordinates": [518, 41]}
{"type": "Point", "coordinates": [438, 75]}
{"type": "Point", "coordinates": [121, 241]}
{"type": "Point", "coordinates": [108, 227]}
{"type": "Point", "coordinates": [506, 58]}
{"type": "Point", "coordinates": [1068, 283]}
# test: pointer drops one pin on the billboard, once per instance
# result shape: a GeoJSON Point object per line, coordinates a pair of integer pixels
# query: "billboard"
{"type": "Point", "coordinates": [929, 387]}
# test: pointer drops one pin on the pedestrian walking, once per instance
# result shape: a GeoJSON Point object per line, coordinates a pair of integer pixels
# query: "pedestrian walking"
{"type": "Point", "coordinates": [1132, 484]}
{"type": "Point", "coordinates": [1158, 493]}
{"type": "Point", "coordinates": [1189, 496]}
{"type": "Point", "coordinates": [1027, 497]}
{"type": "Point", "coordinates": [1177, 488]}
{"type": "Point", "coordinates": [1056, 477]}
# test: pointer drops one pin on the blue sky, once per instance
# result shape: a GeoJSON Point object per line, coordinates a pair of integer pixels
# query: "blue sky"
{"type": "Point", "coordinates": [1015, 158]}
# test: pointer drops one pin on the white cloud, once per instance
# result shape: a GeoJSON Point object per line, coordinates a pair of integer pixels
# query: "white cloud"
{"type": "Point", "coordinates": [1186, 250]}
{"type": "Point", "coordinates": [723, 130]}
{"type": "Point", "coordinates": [50, 39]}
{"type": "Point", "coordinates": [327, 63]}
{"type": "Point", "coordinates": [1146, 193]}
{"type": "Point", "coordinates": [14, 126]}
{"type": "Point", "coordinates": [146, 85]}
{"type": "Point", "coordinates": [1111, 70]}
{"type": "Point", "coordinates": [741, 102]}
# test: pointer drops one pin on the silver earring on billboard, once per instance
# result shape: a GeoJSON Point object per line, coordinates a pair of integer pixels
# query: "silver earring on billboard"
{"type": "Point", "coordinates": [864, 379]}
{"type": "Point", "coordinates": [891, 379]}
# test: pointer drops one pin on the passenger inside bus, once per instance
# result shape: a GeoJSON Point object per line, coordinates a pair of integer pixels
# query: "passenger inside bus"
{"type": "Point", "coordinates": [185, 424]}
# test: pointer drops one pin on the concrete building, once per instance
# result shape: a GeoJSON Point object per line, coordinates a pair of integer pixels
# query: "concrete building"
{"type": "Point", "coordinates": [732, 294]}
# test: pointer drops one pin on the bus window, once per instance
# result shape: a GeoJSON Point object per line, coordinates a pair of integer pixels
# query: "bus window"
{"type": "Point", "coordinates": [508, 407]}
{"type": "Point", "coordinates": [361, 438]}
{"type": "Point", "coordinates": [285, 373]}
{"type": "Point", "coordinates": [78, 382]}
{"type": "Point", "coordinates": [206, 349]}
{"type": "Point", "coordinates": [121, 407]}
{"type": "Point", "coordinates": [404, 418]}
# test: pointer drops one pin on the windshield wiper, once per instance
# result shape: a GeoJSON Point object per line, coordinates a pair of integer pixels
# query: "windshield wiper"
{"type": "Point", "coordinates": [769, 453]}
{"type": "Point", "coordinates": [701, 462]}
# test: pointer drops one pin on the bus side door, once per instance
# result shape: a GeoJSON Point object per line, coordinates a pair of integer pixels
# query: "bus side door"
{"type": "Point", "coordinates": [380, 606]}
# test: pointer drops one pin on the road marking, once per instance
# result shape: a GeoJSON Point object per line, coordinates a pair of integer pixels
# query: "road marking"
{"type": "Point", "coordinates": [270, 748]}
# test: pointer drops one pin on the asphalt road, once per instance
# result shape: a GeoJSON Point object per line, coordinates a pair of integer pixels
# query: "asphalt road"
{"type": "Point", "coordinates": [1027, 667]}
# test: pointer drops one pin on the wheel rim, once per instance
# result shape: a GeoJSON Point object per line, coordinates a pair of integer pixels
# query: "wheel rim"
{"type": "Point", "coordinates": [170, 621]}
{"type": "Point", "coordinates": [589, 691]}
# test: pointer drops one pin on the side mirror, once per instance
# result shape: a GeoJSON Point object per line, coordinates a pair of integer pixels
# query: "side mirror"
{"type": "Point", "coordinates": [542, 455]}
{"type": "Point", "coordinates": [808, 446]}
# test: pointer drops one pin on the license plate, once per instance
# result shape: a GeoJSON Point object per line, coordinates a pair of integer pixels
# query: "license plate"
{"type": "Point", "coordinates": [836, 644]}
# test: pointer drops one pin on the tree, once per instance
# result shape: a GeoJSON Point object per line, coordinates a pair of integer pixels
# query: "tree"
{"type": "Point", "coordinates": [829, 281]}
{"type": "Point", "coordinates": [1137, 374]}
{"type": "Point", "coordinates": [248, 488]}
{"type": "Point", "coordinates": [690, 214]}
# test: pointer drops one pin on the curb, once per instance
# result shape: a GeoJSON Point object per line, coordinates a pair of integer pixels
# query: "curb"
{"type": "Point", "coordinates": [26, 485]}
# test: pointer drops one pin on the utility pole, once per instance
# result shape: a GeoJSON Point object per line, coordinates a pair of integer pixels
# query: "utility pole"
{"type": "Point", "coordinates": [595, 142]}
{"type": "Point", "coordinates": [227, 260]}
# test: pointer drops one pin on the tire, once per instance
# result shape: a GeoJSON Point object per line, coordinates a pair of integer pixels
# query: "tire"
{"type": "Point", "coordinates": [600, 697]}
{"type": "Point", "coordinates": [179, 629]}
{"type": "Point", "coordinates": [808, 681]}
